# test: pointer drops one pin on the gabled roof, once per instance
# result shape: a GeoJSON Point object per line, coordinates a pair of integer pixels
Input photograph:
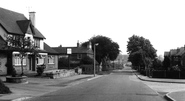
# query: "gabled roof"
{"type": "Point", "coordinates": [23, 25]}
{"type": "Point", "coordinates": [75, 50]}
{"type": "Point", "coordinates": [16, 23]}
{"type": "Point", "coordinates": [49, 49]}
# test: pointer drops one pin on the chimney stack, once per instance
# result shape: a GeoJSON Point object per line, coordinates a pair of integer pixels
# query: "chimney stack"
{"type": "Point", "coordinates": [32, 17]}
{"type": "Point", "coordinates": [78, 44]}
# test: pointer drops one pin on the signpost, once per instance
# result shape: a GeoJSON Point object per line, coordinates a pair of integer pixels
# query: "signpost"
{"type": "Point", "coordinates": [69, 52]}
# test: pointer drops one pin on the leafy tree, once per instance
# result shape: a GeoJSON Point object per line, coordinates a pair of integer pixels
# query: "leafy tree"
{"type": "Point", "coordinates": [141, 52]}
{"type": "Point", "coordinates": [22, 44]}
{"type": "Point", "coordinates": [105, 50]}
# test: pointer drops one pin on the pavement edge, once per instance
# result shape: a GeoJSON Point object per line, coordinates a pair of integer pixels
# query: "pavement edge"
{"type": "Point", "coordinates": [168, 97]}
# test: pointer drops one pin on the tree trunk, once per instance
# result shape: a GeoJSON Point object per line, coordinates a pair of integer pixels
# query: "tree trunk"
{"type": "Point", "coordinates": [104, 65]}
{"type": "Point", "coordinates": [22, 66]}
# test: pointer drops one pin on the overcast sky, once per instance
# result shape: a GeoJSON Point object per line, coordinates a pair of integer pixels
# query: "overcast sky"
{"type": "Point", "coordinates": [64, 22]}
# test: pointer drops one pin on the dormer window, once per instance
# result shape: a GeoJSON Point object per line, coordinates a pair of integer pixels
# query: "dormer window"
{"type": "Point", "coordinates": [37, 43]}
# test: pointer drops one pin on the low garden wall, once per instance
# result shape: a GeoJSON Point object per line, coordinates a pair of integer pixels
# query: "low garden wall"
{"type": "Point", "coordinates": [59, 73]}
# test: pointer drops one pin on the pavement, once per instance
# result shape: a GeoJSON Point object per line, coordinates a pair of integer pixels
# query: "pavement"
{"type": "Point", "coordinates": [37, 86]}
{"type": "Point", "coordinates": [171, 96]}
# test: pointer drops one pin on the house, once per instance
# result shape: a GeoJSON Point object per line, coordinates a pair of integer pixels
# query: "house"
{"type": "Point", "coordinates": [51, 59]}
{"type": "Point", "coordinates": [73, 54]}
{"type": "Point", "coordinates": [181, 56]}
{"type": "Point", "coordinates": [173, 58]}
{"type": "Point", "coordinates": [177, 56]}
{"type": "Point", "coordinates": [16, 25]}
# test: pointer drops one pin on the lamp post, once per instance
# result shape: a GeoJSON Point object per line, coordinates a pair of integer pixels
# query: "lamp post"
{"type": "Point", "coordinates": [95, 59]}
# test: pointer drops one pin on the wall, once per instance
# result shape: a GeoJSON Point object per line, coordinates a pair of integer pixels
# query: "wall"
{"type": "Point", "coordinates": [42, 44]}
{"type": "Point", "coordinates": [18, 67]}
{"type": "Point", "coordinates": [3, 57]}
{"type": "Point", "coordinates": [51, 66]}
{"type": "Point", "coordinates": [3, 68]}
{"type": "Point", "coordinates": [3, 33]}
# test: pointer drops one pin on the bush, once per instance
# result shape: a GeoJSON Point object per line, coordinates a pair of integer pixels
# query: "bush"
{"type": "Point", "coordinates": [63, 63]}
{"type": "Point", "coordinates": [4, 89]}
{"type": "Point", "coordinates": [40, 69]}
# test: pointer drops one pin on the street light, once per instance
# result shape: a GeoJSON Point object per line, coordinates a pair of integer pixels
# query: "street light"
{"type": "Point", "coordinates": [95, 58]}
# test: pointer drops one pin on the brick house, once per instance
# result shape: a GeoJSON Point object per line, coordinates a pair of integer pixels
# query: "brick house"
{"type": "Point", "coordinates": [51, 59]}
{"type": "Point", "coordinates": [77, 53]}
{"type": "Point", "coordinates": [177, 56]}
{"type": "Point", "coordinates": [16, 25]}
{"type": "Point", "coordinates": [181, 56]}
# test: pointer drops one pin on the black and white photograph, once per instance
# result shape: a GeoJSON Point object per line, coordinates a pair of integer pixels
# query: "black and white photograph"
{"type": "Point", "coordinates": [92, 50]}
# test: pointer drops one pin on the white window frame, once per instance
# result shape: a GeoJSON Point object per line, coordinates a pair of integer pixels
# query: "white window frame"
{"type": "Point", "coordinates": [51, 59]}
{"type": "Point", "coordinates": [40, 60]}
{"type": "Point", "coordinates": [17, 60]}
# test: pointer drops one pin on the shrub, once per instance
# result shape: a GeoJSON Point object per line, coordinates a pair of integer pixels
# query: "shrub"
{"type": "Point", "coordinates": [63, 63]}
{"type": "Point", "coordinates": [4, 89]}
{"type": "Point", "coordinates": [40, 69]}
{"type": "Point", "coordinates": [14, 73]}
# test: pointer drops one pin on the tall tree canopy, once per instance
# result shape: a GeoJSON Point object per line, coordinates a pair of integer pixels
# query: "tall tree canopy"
{"type": "Point", "coordinates": [141, 51]}
{"type": "Point", "coordinates": [106, 48]}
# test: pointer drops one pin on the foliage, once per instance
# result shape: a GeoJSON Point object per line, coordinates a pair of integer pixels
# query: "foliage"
{"type": "Point", "coordinates": [14, 73]}
{"type": "Point", "coordinates": [157, 64]}
{"type": "Point", "coordinates": [22, 44]}
{"type": "Point", "coordinates": [40, 69]}
{"type": "Point", "coordinates": [106, 48]}
{"type": "Point", "coordinates": [175, 68]}
{"type": "Point", "coordinates": [141, 52]}
{"type": "Point", "coordinates": [86, 60]}
{"type": "Point", "coordinates": [166, 62]}
{"type": "Point", "coordinates": [4, 89]}
{"type": "Point", "coordinates": [63, 63]}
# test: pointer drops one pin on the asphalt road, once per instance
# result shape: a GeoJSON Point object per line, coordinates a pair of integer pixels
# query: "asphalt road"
{"type": "Point", "coordinates": [120, 85]}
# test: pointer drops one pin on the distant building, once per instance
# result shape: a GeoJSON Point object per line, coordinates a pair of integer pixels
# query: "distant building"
{"type": "Point", "coordinates": [76, 54]}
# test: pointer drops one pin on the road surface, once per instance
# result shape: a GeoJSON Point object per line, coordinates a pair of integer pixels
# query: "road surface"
{"type": "Point", "coordinates": [120, 85]}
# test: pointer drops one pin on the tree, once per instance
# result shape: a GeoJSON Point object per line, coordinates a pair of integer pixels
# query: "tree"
{"type": "Point", "coordinates": [22, 44]}
{"type": "Point", "coordinates": [141, 51]}
{"type": "Point", "coordinates": [106, 49]}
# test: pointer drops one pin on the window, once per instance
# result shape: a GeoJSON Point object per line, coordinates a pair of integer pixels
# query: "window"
{"type": "Point", "coordinates": [50, 60]}
{"type": "Point", "coordinates": [17, 60]}
{"type": "Point", "coordinates": [40, 60]}
{"type": "Point", "coordinates": [37, 43]}
{"type": "Point", "coordinates": [79, 56]}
